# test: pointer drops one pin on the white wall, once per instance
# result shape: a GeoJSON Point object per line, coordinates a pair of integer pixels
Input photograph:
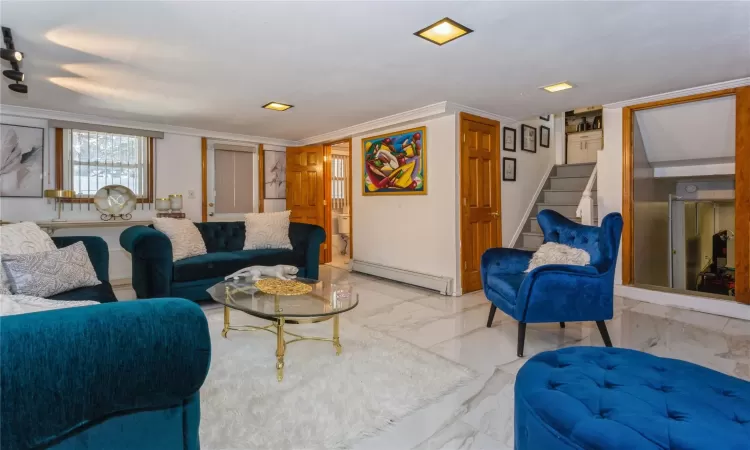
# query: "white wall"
{"type": "Point", "coordinates": [609, 172]}
{"type": "Point", "coordinates": [531, 169]}
{"type": "Point", "coordinates": [412, 232]}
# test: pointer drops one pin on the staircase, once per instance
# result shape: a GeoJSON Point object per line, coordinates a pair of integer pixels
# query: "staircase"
{"type": "Point", "coordinates": [562, 192]}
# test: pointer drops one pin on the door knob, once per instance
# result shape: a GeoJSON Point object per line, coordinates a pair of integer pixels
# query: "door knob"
{"type": "Point", "coordinates": [211, 214]}
{"type": "Point", "coordinates": [496, 214]}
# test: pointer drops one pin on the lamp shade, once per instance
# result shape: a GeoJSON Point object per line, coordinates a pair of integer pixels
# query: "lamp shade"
{"type": "Point", "coordinates": [59, 193]}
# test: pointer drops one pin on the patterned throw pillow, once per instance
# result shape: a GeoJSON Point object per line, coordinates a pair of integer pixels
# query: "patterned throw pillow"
{"type": "Point", "coordinates": [21, 239]}
{"type": "Point", "coordinates": [267, 230]}
{"type": "Point", "coordinates": [49, 273]}
{"type": "Point", "coordinates": [554, 253]}
{"type": "Point", "coordinates": [21, 304]}
{"type": "Point", "coordinates": [184, 235]}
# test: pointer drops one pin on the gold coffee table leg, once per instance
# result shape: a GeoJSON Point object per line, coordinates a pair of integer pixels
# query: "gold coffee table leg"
{"type": "Point", "coordinates": [336, 343]}
{"type": "Point", "coordinates": [226, 322]}
{"type": "Point", "coordinates": [280, 347]}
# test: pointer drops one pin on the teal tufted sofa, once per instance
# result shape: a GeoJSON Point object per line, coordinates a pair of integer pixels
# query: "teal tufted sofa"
{"type": "Point", "coordinates": [155, 275]}
{"type": "Point", "coordinates": [115, 376]}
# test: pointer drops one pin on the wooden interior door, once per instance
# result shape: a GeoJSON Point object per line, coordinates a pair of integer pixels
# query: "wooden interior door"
{"type": "Point", "coordinates": [305, 194]}
{"type": "Point", "coordinates": [480, 195]}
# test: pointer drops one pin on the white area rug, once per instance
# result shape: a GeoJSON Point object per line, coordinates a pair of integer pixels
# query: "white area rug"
{"type": "Point", "coordinates": [325, 401]}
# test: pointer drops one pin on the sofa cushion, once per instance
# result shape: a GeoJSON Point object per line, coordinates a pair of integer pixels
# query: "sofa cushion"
{"type": "Point", "coordinates": [101, 293]}
{"type": "Point", "coordinates": [221, 264]}
{"type": "Point", "coordinates": [222, 236]}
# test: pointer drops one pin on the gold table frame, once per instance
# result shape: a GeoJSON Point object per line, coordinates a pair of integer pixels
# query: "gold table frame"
{"type": "Point", "coordinates": [277, 328]}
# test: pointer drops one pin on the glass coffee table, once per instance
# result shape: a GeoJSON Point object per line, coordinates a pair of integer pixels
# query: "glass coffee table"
{"type": "Point", "coordinates": [324, 302]}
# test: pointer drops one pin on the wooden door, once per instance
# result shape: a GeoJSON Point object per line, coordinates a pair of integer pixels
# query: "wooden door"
{"type": "Point", "coordinates": [480, 195]}
{"type": "Point", "coordinates": [305, 193]}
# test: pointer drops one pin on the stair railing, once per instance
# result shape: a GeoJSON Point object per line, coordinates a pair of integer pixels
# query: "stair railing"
{"type": "Point", "coordinates": [585, 210]}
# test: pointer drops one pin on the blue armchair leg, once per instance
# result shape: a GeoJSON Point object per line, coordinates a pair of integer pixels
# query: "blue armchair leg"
{"type": "Point", "coordinates": [562, 324]}
{"type": "Point", "coordinates": [493, 308]}
{"type": "Point", "coordinates": [605, 334]}
{"type": "Point", "coordinates": [521, 338]}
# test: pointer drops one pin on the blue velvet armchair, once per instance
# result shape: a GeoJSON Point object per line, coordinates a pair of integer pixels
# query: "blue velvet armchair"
{"type": "Point", "coordinates": [556, 292]}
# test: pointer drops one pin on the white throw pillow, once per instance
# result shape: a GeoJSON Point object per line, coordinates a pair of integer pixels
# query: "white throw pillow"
{"type": "Point", "coordinates": [21, 304]}
{"type": "Point", "coordinates": [554, 253]}
{"type": "Point", "coordinates": [267, 230]}
{"type": "Point", "coordinates": [21, 239]}
{"type": "Point", "coordinates": [184, 235]}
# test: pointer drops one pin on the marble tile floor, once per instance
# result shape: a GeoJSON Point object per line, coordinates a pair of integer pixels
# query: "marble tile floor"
{"type": "Point", "coordinates": [479, 415]}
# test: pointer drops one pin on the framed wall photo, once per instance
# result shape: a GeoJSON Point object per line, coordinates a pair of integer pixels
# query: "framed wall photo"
{"type": "Point", "coordinates": [528, 138]}
{"type": "Point", "coordinates": [545, 118]}
{"type": "Point", "coordinates": [544, 136]}
{"type": "Point", "coordinates": [509, 139]}
{"type": "Point", "coordinates": [21, 161]}
{"type": "Point", "coordinates": [509, 169]}
{"type": "Point", "coordinates": [274, 174]}
{"type": "Point", "coordinates": [395, 163]}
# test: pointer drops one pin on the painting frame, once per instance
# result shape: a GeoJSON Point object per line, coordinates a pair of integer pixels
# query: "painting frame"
{"type": "Point", "coordinates": [39, 164]}
{"type": "Point", "coordinates": [545, 117]}
{"type": "Point", "coordinates": [507, 131]}
{"type": "Point", "coordinates": [420, 153]}
{"type": "Point", "coordinates": [506, 175]}
{"type": "Point", "coordinates": [542, 135]}
{"type": "Point", "coordinates": [527, 140]}
{"type": "Point", "coordinates": [273, 174]}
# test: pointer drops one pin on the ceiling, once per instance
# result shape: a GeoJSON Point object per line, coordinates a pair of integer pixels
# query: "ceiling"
{"type": "Point", "coordinates": [211, 65]}
{"type": "Point", "coordinates": [689, 133]}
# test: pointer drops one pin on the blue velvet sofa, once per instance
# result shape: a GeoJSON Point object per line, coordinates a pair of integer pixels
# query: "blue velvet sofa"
{"type": "Point", "coordinates": [155, 275]}
{"type": "Point", "coordinates": [99, 256]}
{"type": "Point", "coordinates": [115, 376]}
{"type": "Point", "coordinates": [556, 292]}
{"type": "Point", "coordinates": [613, 398]}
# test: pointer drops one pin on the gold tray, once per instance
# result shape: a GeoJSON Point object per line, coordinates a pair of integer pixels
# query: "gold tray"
{"type": "Point", "coordinates": [282, 287]}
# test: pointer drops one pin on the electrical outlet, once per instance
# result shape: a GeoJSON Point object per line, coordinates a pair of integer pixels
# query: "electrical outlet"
{"type": "Point", "coordinates": [191, 194]}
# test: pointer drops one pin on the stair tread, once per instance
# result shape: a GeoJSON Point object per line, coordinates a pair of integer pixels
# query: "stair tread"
{"type": "Point", "coordinates": [576, 164]}
{"type": "Point", "coordinates": [566, 190]}
{"type": "Point", "coordinates": [556, 204]}
{"type": "Point", "coordinates": [532, 233]}
{"type": "Point", "coordinates": [558, 176]}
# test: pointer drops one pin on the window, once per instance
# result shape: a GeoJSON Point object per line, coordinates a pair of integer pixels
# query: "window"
{"type": "Point", "coordinates": [339, 181]}
{"type": "Point", "coordinates": [90, 160]}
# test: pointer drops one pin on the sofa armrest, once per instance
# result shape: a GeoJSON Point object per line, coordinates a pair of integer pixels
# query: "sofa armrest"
{"type": "Point", "coordinates": [151, 252]}
{"type": "Point", "coordinates": [97, 249]}
{"type": "Point", "coordinates": [68, 369]}
{"type": "Point", "coordinates": [565, 293]}
{"type": "Point", "coordinates": [307, 239]}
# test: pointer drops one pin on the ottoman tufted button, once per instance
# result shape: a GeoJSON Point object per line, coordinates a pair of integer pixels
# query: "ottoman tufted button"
{"type": "Point", "coordinates": [674, 415]}
{"type": "Point", "coordinates": [553, 385]}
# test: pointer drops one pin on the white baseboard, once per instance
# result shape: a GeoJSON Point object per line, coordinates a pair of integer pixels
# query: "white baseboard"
{"type": "Point", "coordinates": [727, 308]}
{"type": "Point", "coordinates": [525, 219]}
{"type": "Point", "coordinates": [444, 285]}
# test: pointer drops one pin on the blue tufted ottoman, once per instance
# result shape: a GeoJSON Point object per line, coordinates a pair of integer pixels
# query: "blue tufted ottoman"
{"type": "Point", "coordinates": [611, 398]}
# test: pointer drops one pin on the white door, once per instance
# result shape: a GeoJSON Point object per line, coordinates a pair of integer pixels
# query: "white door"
{"type": "Point", "coordinates": [232, 185]}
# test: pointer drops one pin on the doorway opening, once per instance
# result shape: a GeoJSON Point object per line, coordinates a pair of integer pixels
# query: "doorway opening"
{"type": "Point", "coordinates": [339, 204]}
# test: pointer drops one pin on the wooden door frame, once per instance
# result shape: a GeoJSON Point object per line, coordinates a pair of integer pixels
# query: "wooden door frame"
{"type": "Point", "coordinates": [327, 210]}
{"type": "Point", "coordinates": [742, 183]}
{"type": "Point", "coordinates": [462, 192]}
{"type": "Point", "coordinates": [204, 179]}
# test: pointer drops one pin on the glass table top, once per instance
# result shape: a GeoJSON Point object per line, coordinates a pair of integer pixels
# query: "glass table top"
{"type": "Point", "coordinates": [325, 299]}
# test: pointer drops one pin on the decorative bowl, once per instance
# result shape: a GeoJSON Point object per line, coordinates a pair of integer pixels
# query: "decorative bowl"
{"type": "Point", "coordinates": [115, 200]}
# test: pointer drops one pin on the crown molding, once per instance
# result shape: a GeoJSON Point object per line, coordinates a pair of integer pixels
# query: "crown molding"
{"type": "Point", "coordinates": [35, 113]}
{"type": "Point", "coordinates": [425, 112]}
{"type": "Point", "coordinates": [682, 93]}
{"type": "Point", "coordinates": [457, 107]}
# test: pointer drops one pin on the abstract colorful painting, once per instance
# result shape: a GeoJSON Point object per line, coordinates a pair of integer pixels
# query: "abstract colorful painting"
{"type": "Point", "coordinates": [395, 163]}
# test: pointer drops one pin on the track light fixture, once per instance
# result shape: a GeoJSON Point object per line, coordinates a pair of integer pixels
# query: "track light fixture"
{"type": "Point", "coordinates": [18, 87]}
{"type": "Point", "coordinates": [14, 75]}
{"type": "Point", "coordinates": [9, 53]}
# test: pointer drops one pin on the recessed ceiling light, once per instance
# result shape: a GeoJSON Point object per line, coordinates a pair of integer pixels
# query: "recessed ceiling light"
{"type": "Point", "coordinates": [557, 87]}
{"type": "Point", "coordinates": [443, 31]}
{"type": "Point", "coordinates": [276, 106]}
